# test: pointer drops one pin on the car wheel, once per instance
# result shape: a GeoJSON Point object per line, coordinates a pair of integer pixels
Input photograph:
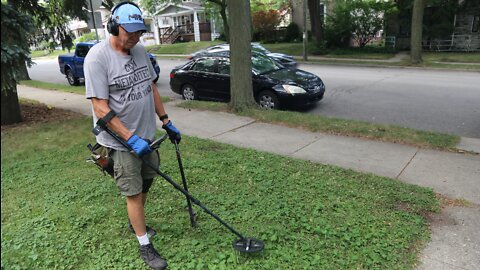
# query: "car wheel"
{"type": "Point", "coordinates": [268, 100]}
{"type": "Point", "coordinates": [72, 80]}
{"type": "Point", "coordinates": [189, 92]}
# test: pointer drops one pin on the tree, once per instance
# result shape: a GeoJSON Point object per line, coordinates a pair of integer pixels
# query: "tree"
{"type": "Point", "coordinates": [368, 18]}
{"type": "Point", "coordinates": [240, 54]}
{"type": "Point", "coordinates": [26, 22]}
{"type": "Point", "coordinates": [264, 24]}
{"type": "Point", "coordinates": [340, 25]}
{"type": "Point", "coordinates": [416, 37]}
{"type": "Point", "coordinates": [316, 21]}
{"type": "Point", "coordinates": [15, 30]}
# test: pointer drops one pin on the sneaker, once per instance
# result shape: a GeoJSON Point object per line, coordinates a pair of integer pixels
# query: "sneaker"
{"type": "Point", "coordinates": [151, 232]}
{"type": "Point", "coordinates": [151, 257]}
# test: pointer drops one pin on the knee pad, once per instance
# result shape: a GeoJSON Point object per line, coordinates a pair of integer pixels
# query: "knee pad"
{"type": "Point", "coordinates": [147, 183]}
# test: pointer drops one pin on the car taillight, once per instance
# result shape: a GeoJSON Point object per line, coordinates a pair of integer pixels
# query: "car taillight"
{"type": "Point", "coordinates": [189, 57]}
{"type": "Point", "coordinates": [172, 75]}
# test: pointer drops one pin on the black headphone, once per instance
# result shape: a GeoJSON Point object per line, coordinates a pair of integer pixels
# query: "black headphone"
{"type": "Point", "coordinates": [112, 25]}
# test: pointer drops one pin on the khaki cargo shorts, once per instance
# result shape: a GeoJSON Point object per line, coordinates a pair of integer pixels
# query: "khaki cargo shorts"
{"type": "Point", "coordinates": [129, 171]}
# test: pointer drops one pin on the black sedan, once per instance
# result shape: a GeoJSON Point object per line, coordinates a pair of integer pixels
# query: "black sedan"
{"type": "Point", "coordinates": [274, 85]}
{"type": "Point", "coordinates": [284, 59]}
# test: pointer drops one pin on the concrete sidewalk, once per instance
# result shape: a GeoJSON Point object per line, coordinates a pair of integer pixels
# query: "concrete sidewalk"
{"type": "Point", "coordinates": [456, 238]}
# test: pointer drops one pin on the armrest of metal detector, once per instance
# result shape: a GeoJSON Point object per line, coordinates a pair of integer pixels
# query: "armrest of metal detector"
{"type": "Point", "coordinates": [155, 144]}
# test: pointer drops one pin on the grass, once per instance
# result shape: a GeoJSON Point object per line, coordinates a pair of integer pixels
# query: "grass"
{"type": "Point", "coordinates": [54, 86]}
{"type": "Point", "coordinates": [336, 126]}
{"type": "Point", "coordinates": [296, 49]}
{"type": "Point", "coordinates": [47, 53]}
{"type": "Point", "coordinates": [458, 57]}
{"type": "Point", "coordinates": [181, 48]}
{"type": "Point", "coordinates": [64, 88]}
{"type": "Point", "coordinates": [59, 212]}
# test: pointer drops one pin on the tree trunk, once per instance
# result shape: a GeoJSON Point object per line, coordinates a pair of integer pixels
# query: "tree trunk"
{"type": "Point", "coordinates": [226, 28]}
{"type": "Point", "coordinates": [416, 37]}
{"type": "Point", "coordinates": [315, 20]}
{"type": "Point", "coordinates": [240, 54]}
{"type": "Point", "coordinates": [23, 70]}
{"type": "Point", "coordinates": [10, 106]}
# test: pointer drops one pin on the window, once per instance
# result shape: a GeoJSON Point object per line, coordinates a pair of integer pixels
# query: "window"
{"type": "Point", "coordinates": [224, 66]}
{"type": "Point", "coordinates": [205, 65]}
{"type": "Point", "coordinates": [82, 51]}
{"type": "Point", "coordinates": [475, 24]}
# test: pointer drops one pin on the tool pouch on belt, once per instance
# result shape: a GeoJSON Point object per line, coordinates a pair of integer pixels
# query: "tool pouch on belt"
{"type": "Point", "coordinates": [100, 156]}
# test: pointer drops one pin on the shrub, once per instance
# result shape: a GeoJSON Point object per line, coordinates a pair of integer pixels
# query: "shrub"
{"type": "Point", "coordinates": [264, 24]}
{"type": "Point", "coordinates": [292, 32]}
{"type": "Point", "coordinates": [86, 37]}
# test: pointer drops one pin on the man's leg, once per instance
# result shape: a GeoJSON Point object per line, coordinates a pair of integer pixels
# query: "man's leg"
{"type": "Point", "coordinates": [136, 214]}
{"type": "Point", "coordinates": [147, 183]}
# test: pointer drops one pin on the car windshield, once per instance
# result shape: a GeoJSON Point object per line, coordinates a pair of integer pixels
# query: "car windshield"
{"type": "Point", "coordinates": [262, 64]}
{"type": "Point", "coordinates": [259, 48]}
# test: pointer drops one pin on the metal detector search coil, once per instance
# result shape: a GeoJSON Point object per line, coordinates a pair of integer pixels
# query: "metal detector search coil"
{"type": "Point", "coordinates": [248, 245]}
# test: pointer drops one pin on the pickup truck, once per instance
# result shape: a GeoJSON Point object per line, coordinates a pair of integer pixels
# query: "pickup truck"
{"type": "Point", "coordinates": [72, 64]}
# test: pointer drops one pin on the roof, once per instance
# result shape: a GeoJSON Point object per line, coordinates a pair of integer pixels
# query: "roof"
{"type": "Point", "coordinates": [186, 7]}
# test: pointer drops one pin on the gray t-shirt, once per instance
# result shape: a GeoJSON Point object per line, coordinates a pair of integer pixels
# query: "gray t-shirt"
{"type": "Point", "coordinates": [125, 81]}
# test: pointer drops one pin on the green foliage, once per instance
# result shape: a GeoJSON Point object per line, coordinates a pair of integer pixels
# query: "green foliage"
{"type": "Point", "coordinates": [266, 5]}
{"type": "Point", "coordinates": [292, 33]}
{"type": "Point", "coordinates": [264, 24]}
{"type": "Point", "coordinates": [339, 26]}
{"type": "Point", "coordinates": [86, 37]}
{"type": "Point", "coordinates": [368, 19]}
{"type": "Point", "coordinates": [438, 19]}
{"type": "Point", "coordinates": [360, 20]}
{"type": "Point", "coordinates": [59, 212]}
{"type": "Point", "coordinates": [16, 27]}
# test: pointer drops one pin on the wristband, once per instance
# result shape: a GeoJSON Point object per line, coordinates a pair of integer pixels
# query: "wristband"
{"type": "Point", "coordinates": [163, 117]}
{"type": "Point", "coordinates": [104, 120]}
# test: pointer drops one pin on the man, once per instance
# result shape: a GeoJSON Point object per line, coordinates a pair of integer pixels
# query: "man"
{"type": "Point", "coordinates": [119, 82]}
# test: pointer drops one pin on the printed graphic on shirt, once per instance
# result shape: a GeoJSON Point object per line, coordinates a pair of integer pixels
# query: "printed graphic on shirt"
{"type": "Point", "coordinates": [134, 79]}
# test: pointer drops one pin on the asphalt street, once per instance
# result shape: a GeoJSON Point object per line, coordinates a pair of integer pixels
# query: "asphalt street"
{"type": "Point", "coordinates": [426, 99]}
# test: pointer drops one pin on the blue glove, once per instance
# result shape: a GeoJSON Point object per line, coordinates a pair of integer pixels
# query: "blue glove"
{"type": "Point", "coordinates": [139, 145]}
{"type": "Point", "coordinates": [173, 132]}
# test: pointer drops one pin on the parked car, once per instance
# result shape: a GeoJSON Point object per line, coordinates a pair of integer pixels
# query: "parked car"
{"type": "Point", "coordinates": [274, 85]}
{"type": "Point", "coordinates": [283, 59]}
{"type": "Point", "coordinates": [72, 64]}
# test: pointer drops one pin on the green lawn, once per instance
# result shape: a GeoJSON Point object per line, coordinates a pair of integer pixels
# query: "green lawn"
{"type": "Point", "coordinates": [181, 48]}
{"type": "Point", "coordinates": [337, 126]}
{"type": "Point", "coordinates": [461, 57]}
{"type": "Point", "coordinates": [59, 212]}
{"type": "Point", "coordinates": [296, 49]}
{"type": "Point", "coordinates": [46, 53]}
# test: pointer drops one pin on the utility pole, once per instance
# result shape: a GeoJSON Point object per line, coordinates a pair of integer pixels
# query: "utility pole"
{"type": "Point", "coordinates": [305, 34]}
{"type": "Point", "coordinates": [93, 18]}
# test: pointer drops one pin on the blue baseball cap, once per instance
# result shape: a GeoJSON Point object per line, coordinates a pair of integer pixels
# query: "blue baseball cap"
{"type": "Point", "coordinates": [130, 18]}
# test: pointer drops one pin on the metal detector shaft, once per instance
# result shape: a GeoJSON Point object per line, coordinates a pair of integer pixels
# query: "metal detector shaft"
{"type": "Point", "coordinates": [175, 185]}
{"type": "Point", "coordinates": [185, 187]}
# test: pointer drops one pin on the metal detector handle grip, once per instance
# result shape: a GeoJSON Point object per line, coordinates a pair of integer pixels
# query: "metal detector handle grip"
{"type": "Point", "coordinates": [155, 144]}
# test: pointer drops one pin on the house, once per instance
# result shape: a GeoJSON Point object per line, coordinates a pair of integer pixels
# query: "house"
{"type": "Point", "coordinates": [454, 31]}
{"type": "Point", "coordinates": [187, 21]}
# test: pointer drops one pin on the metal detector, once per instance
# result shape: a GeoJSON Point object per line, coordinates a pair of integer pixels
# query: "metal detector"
{"type": "Point", "coordinates": [243, 245]}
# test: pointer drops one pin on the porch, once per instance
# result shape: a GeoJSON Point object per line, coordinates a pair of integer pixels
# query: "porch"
{"type": "Point", "coordinates": [185, 33]}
